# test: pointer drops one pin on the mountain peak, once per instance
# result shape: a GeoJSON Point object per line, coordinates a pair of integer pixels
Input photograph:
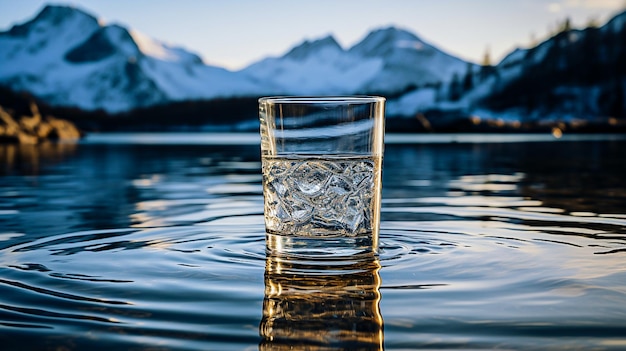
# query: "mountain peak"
{"type": "Point", "coordinates": [51, 16]}
{"type": "Point", "coordinates": [103, 43]}
{"type": "Point", "coordinates": [394, 31]}
{"type": "Point", "coordinates": [159, 50]}
{"type": "Point", "coordinates": [381, 41]}
{"type": "Point", "coordinates": [56, 13]}
{"type": "Point", "coordinates": [305, 49]}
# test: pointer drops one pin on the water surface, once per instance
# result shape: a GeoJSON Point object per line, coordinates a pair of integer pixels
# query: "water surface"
{"type": "Point", "coordinates": [145, 241]}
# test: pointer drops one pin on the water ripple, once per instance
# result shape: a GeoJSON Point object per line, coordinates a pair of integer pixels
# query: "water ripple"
{"type": "Point", "coordinates": [165, 248]}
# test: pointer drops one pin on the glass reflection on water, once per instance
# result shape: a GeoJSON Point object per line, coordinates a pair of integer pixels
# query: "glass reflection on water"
{"type": "Point", "coordinates": [317, 303]}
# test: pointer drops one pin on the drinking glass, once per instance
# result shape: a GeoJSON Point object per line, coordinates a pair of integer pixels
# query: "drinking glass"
{"type": "Point", "coordinates": [322, 160]}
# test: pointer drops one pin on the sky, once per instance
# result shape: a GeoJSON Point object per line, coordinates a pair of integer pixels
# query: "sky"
{"type": "Point", "coordinates": [235, 33]}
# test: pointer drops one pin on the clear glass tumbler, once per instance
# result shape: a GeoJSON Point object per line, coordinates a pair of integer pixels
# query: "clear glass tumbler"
{"type": "Point", "coordinates": [322, 161]}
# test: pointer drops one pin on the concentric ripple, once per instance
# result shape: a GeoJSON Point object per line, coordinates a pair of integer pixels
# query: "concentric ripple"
{"type": "Point", "coordinates": [160, 284]}
{"type": "Point", "coordinates": [481, 247]}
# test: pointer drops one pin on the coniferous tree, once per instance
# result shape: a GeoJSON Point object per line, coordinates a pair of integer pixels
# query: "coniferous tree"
{"type": "Point", "coordinates": [616, 104]}
{"type": "Point", "coordinates": [454, 92]}
{"type": "Point", "coordinates": [468, 79]}
{"type": "Point", "coordinates": [567, 25]}
{"type": "Point", "coordinates": [438, 92]}
{"type": "Point", "coordinates": [486, 68]}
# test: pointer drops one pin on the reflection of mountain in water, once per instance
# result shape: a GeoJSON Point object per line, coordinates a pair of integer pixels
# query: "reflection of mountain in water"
{"type": "Point", "coordinates": [569, 177]}
{"type": "Point", "coordinates": [559, 175]}
{"type": "Point", "coordinates": [321, 305]}
{"type": "Point", "coordinates": [62, 188]}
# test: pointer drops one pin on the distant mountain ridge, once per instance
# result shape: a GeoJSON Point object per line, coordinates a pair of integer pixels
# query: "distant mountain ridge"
{"type": "Point", "coordinates": [66, 57]}
{"type": "Point", "coordinates": [577, 72]}
{"type": "Point", "coordinates": [387, 61]}
{"type": "Point", "coordinates": [74, 60]}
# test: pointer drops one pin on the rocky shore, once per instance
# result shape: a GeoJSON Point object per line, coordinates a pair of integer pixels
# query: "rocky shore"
{"type": "Point", "coordinates": [35, 128]}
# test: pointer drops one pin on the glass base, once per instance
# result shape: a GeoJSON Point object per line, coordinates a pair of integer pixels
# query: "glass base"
{"type": "Point", "coordinates": [324, 247]}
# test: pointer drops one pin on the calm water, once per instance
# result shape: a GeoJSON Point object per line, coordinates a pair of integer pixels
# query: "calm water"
{"type": "Point", "coordinates": [157, 243]}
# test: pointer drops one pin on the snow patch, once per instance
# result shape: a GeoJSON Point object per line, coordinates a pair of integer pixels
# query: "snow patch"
{"type": "Point", "coordinates": [151, 47]}
{"type": "Point", "coordinates": [410, 44]}
{"type": "Point", "coordinates": [411, 103]}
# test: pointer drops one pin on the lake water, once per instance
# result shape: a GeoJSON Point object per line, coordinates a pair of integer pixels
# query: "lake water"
{"type": "Point", "coordinates": [156, 242]}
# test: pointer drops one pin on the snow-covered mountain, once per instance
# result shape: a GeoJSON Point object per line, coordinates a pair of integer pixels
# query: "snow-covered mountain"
{"type": "Point", "coordinates": [67, 57]}
{"type": "Point", "coordinates": [577, 74]}
{"type": "Point", "coordinates": [316, 67]}
{"type": "Point", "coordinates": [387, 61]}
{"type": "Point", "coordinates": [408, 61]}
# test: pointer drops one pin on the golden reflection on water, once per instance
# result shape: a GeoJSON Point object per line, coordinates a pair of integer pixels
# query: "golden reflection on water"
{"type": "Point", "coordinates": [321, 305]}
{"type": "Point", "coordinates": [28, 158]}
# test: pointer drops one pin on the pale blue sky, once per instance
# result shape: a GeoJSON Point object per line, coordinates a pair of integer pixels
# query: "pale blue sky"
{"type": "Point", "coordinates": [235, 33]}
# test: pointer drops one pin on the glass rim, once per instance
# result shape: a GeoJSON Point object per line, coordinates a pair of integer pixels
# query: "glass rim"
{"type": "Point", "coordinates": [321, 99]}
